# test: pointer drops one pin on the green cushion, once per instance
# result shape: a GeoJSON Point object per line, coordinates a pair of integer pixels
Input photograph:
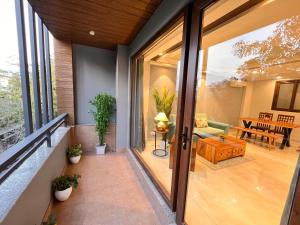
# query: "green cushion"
{"type": "Point", "coordinates": [207, 132]}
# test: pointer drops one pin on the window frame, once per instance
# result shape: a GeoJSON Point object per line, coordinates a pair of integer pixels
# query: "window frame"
{"type": "Point", "coordinates": [291, 108]}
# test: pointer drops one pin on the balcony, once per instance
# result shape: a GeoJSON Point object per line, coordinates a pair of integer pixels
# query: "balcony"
{"type": "Point", "coordinates": [203, 124]}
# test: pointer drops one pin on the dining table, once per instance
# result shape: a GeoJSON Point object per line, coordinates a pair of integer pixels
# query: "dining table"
{"type": "Point", "coordinates": [286, 127]}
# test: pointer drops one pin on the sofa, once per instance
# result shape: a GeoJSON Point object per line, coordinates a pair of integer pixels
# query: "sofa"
{"type": "Point", "coordinates": [213, 128]}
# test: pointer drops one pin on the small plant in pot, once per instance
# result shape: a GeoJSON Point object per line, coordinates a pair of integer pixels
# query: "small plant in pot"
{"type": "Point", "coordinates": [105, 106]}
{"type": "Point", "coordinates": [74, 153]}
{"type": "Point", "coordinates": [62, 186]}
{"type": "Point", "coordinates": [51, 220]}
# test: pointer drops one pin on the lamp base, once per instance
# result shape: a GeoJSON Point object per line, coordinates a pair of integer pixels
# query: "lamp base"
{"type": "Point", "coordinates": [161, 126]}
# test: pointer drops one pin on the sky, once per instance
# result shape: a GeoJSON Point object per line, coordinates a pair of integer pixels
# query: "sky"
{"type": "Point", "coordinates": [222, 63]}
{"type": "Point", "coordinates": [8, 36]}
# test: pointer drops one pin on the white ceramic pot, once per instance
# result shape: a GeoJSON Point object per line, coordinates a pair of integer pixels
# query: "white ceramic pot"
{"type": "Point", "coordinates": [63, 195]}
{"type": "Point", "coordinates": [100, 150]}
{"type": "Point", "coordinates": [75, 160]}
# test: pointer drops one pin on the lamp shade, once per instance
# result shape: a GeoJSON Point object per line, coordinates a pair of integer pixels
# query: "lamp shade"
{"type": "Point", "coordinates": [161, 117]}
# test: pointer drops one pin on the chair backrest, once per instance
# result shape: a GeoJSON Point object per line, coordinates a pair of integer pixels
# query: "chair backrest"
{"type": "Point", "coordinates": [284, 119]}
{"type": "Point", "coordinates": [264, 116]}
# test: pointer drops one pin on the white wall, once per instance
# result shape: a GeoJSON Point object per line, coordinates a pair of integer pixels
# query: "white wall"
{"type": "Point", "coordinates": [221, 103]}
{"type": "Point", "coordinates": [159, 77]}
{"type": "Point", "coordinates": [260, 98]}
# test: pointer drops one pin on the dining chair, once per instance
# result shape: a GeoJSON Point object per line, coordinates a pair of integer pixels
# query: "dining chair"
{"type": "Point", "coordinates": [283, 119]}
{"type": "Point", "coordinates": [262, 126]}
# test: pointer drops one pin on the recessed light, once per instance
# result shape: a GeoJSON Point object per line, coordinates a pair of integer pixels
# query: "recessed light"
{"type": "Point", "coordinates": [279, 77]}
{"type": "Point", "coordinates": [160, 54]}
{"type": "Point", "coordinates": [92, 33]}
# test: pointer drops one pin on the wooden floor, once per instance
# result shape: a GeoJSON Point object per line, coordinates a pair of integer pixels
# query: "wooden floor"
{"type": "Point", "coordinates": [250, 193]}
{"type": "Point", "coordinates": [109, 193]}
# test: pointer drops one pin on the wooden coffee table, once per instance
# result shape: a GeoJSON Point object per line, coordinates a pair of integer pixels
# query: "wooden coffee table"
{"type": "Point", "coordinates": [216, 149]}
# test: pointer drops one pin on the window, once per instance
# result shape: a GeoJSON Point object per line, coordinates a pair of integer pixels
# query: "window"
{"type": "Point", "coordinates": [287, 96]}
{"type": "Point", "coordinates": [11, 110]}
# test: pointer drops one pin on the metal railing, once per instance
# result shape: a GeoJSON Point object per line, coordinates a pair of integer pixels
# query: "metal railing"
{"type": "Point", "coordinates": [13, 157]}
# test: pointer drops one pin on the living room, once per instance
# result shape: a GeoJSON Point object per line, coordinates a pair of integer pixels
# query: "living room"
{"type": "Point", "coordinates": [246, 121]}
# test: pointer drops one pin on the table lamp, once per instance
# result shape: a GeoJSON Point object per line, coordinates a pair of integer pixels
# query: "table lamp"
{"type": "Point", "coordinates": [162, 120]}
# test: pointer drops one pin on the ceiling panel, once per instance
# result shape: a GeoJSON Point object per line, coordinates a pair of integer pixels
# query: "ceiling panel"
{"type": "Point", "coordinates": [114, 21]}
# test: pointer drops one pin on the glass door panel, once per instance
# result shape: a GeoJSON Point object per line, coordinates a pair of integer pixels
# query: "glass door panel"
{"type": "Point", "coordinates": [154, 108]}
{"type": "Point", "coordinates": [240, 167]}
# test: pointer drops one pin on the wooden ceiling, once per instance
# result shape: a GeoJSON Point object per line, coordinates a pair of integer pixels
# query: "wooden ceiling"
{"type": "Point", "coordinates": [114, 21]}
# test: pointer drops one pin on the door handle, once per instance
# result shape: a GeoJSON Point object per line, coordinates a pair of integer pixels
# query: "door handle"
{"type": "Point", "coordinates": [184, 137]}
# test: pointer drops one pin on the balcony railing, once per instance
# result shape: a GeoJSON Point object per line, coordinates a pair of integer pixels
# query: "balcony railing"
{"type": "Point", "coordinates": [13, 157]}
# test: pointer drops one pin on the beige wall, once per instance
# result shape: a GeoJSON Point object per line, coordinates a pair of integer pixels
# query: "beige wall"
{"type": "Point", "coordinates": [221, 103]}
{"type": "Point", "coordinates": [156, 77]}
{"type": "Point", "coordinates": [86, 135]}
{"type": "Point", "coordinates": [260, 97]}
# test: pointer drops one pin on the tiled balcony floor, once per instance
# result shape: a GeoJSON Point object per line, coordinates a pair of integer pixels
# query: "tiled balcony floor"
{"type": "Point", "coordinates": [109, 193]}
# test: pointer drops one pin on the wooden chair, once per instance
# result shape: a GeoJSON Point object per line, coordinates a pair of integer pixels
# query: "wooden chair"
{"type": "Point", "coordinates": [262, 126]}
{"type": "Point", "coordinates": [283, 119]}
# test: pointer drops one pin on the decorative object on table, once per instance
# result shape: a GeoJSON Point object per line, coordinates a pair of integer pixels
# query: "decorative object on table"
{"type": "Point", "coordinates": [161, 121]}
{"type": "Point", "coordinates": [74, 153]}
{"type": "Point", "coordinates": [62, 186]}
{"type": "Point", "coordinates": [105, 107]}
{"type": "Point", "coordinates": [160, 152]}
{"type": "Point", "coordinates": [163, 103]}
{"type": "Point", "coordinates": [51, 220]}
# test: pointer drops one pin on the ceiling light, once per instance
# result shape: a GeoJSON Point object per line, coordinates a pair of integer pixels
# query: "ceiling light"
{"type": "Point", "coordinates": [160, 54]}
{"type": "Point", "coordinates": [92, 33]}
{"type": "Point", "coordinates": [279, 77]}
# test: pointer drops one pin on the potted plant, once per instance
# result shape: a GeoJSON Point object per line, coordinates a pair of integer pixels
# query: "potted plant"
{"type": "Point", "coordinates": [164, 101]}
{"type": "Point", "coordinates": [104, 105]}
{"type": "Point", "coordinates": [74, 153]}
{"type": "Point", "coordinates": [51, 220]}
{"type": "Point", "coordinates": [62, 186]}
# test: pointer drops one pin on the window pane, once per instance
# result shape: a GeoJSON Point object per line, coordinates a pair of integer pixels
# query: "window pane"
{"type": "Point", "coordinates": [155, 104]}
{"type": "Point", "coordinates": [52, 61]}
{"type": "Point", "coordinates": [235, 177]}
{"type": "Point", "coordinates": [297, 99]}
{"type": "Point", "coordinates": [11, 111]}
{"type": "Point", "coordinates": [285, 96]}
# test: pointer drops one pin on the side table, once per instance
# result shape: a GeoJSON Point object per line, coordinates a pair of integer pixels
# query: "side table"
{"type": "Point", "coordinates": [160, 152]}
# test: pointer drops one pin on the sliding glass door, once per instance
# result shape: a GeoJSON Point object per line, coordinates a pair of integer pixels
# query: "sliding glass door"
{"type": "Point", "coordinates": [241, 130]}
{"type": "Point", "coordinates": [157, 80]}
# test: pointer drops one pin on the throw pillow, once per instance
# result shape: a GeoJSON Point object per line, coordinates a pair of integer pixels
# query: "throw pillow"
{"type": "Point", "coordinates": [201, 123]}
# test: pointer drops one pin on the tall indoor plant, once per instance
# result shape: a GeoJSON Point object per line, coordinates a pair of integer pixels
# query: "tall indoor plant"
{"type": "Point", "coordinates": [164, 101]}
{"type": "Point", "coordinates": [104, 108]}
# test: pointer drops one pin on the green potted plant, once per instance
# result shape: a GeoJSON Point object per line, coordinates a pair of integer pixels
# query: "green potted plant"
{"type": "Point", "coordinates": [74, 153]}
{"type": "Point", "coordinates": [51, 220]}
{"type": "Point", "coordinates": [163, 101]}
{"type": "Point", "coordinates": [62, 186]}
{"type": "Point", "coordinates": [104, 105]}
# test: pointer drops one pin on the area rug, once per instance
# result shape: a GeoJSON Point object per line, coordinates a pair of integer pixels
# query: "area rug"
{"type": "Point", "coordinates": [225, 163]}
